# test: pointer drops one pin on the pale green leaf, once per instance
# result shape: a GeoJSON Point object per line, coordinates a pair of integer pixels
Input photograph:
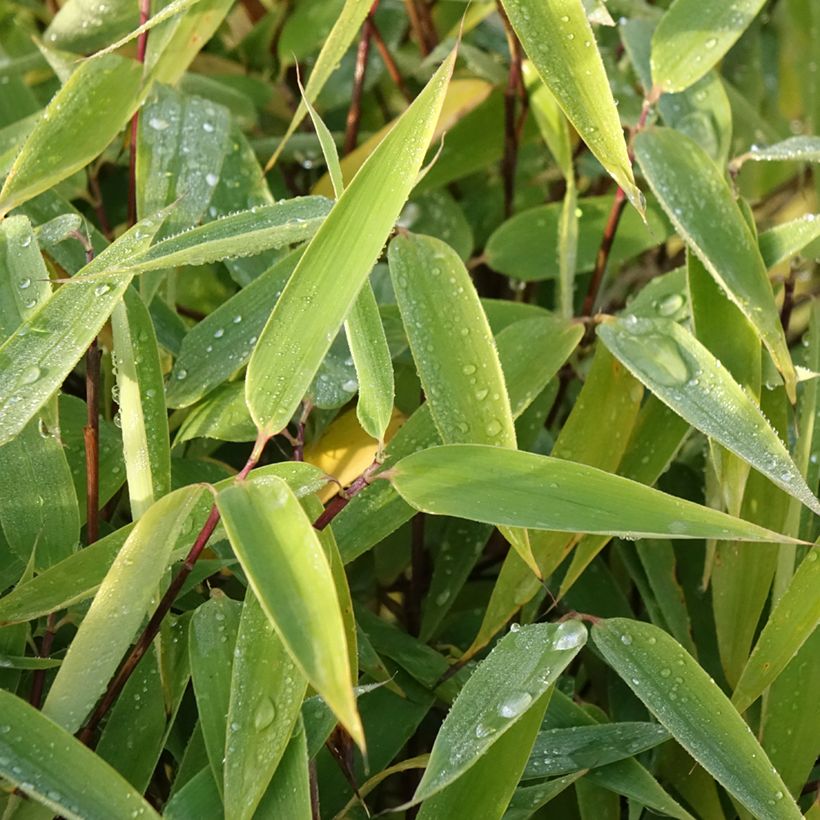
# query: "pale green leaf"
{"type": "Point", "coordinates": [44, 761]}
{"type": "Point", "coordinates": [694, 35]}
{"type": "Point", "coordinates": [794, 149]}
{"type": "Point", "coordinates": [518, 489]}
{"type": "Point", "coordinates": [559, 40]}
{"type": "Point", "coordinates": [290, 575]}
{"type": "Point", "coordinates": [35, 360]}
{"type": "Point", "coordinates": [374, 368]}
{"type": "Point", "coordinates": [790, 624]}
{"type": "Point", "coordinates": [142, 413]}
{"type": "Point", "coordinates": [119, 607]}
{"type": "Point", "coordinates": [697, 199]}
{"type": "Point", "coordinates": [76, 126]}
{"type": "Point", "coordinates": [779, 243]}
{"type": "Point", "coordinates": [699, 716]}
{"type": "Point", "coordinates": [687, 377]}
{"type": "Point", "coordinates": [316, 300]}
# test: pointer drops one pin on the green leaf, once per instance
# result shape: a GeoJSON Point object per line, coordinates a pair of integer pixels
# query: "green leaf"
{"type": "Point", "coordinates": [687, 377]}
{"type": "Point", "coordinates": [211, 640]}
{"type": "Point", "coordinates": [374, 368]}
{"type": "Point", "coordinates": [795, 149]}
{"type": "Point", "coordinates": [67, 32]}
{"type": "Point", "coordinates": [142, 413]}
{"type": "Point", "coordinates": [222, 415]}
{"type": "Point", "coordinates": [266, 697]}
{"type": "Point", "coordinates": [699, 716]}
{"type": "Point", "coordinates": [486, 788]}
{"type": "Point", "coordinates": [289, 572]}
{"type": "Point", "coordinates": [559, 40]}
{"type": "Point", "coordinates": [453, 348]}
{"type": "Point", "coordinates": [24, 284]}
{"type": "Point", "coordinates": [242, 234]}
{"type": "Point", "coordinates": [519, 489]}
{"type": "Point", "coordinates": [568, 250]}
{"type": "Point", "coordinates": [38, 502]}
{"type": "Point", "coordinates": [790, 624]}
{"type": "Point", "coordinates": [36, 359]}
{"type": "Point", "coordinates": [694, 194]}
{"type": "Point", "coordinates": [44, 761]}
{"type": "Point", "coordinates": [779, 243]}
{"type": "Point", "coordinates": [562, 751]}
{"type": "Point", "coordinates": [693, 36]}
{"type": "Point", "coordinates": [315, 301]}
{"type": "Point", "coordinates": [527, 245]}
{"type": "Point", "coordinates": [348, 22]}
{"type": "Point", "coordinates": [76, 126]}
{"type": "Point", "coordinates": [513, 678]}
{"type": "Point", "coordinates": [288, 794]}
{"type": "Point", "coordinates": [528, 799]}
{"type": "Point", "coordinates": [119, 607]}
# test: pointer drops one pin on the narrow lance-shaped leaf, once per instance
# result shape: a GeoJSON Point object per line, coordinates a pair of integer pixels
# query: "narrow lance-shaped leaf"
{"type": "Point", "coordinates": [290, 575]}
{"type": "Point", "coordinates": [559, 40]}
{"type": "Point", "coordinates": [779, 243]}
{"type": "Point", "coordinates": [46, 762]}
{"type": "Point", "coordinates": [518, 489]}
{"type": "Point", "coordinates": [142, 413]}
{"type": "Point", "coordinates": [242, 234]}
{"type": "Point", "coordinates": [795, 149]}
{"type": "Point", "coordinates": [35, 360]}
{"type": "Point", "coordinates": [341, 36]}
{"type": "Point", "coordinates": [521, 668]}
{"type": "Point", "coordinates": [697, 199]}
{"type": "Point", "coordinates": [78, 123]}
{"type": "Point", "coordinates": [316, 300]}
{"type": "Point", "coordinates": [693, 36]}
{"type": "Point", "coordinates": [266, 696]}
{"type": "Point", "coordinates": [453, 348]}
{"type": "Point", "coordinates": [211, 640]}
{"type": "Point", "coordinates": [790, 624]}
{"type": "Point", "coordinates": [363, 326]}
{"type": "Point", "coordinates": [687, 377]}
{"type": "Point", "coordinates": [118, 609]}
{"type": "Point", "coordinates": [693, 708]}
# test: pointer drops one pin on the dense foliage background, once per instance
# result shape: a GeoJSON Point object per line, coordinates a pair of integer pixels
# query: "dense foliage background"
{"type": "Point", "coordinates": [409, 405]}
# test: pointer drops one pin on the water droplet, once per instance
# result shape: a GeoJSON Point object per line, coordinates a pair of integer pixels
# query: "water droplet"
{"type": "Point", "coordinates": [24, 283]}
{"type": "Point", "coordinates": [207, 126]}
{"type": "Point", "coordinates": [670, 304]}
{"type": "Point", "coordinates": [515, 627]}
{"type": "Point", "coordinates": [265, 713]}
{"type": "Point", "coordinates": [30, 375]}
{"type": "Point", "coordinates": [219, 333]}
{"type": "Point", "coordinates": [101, 289]}
{"type": "Point", "coordinates": [493, 427]}
{"type": "Point", "coordinates": [483, 730]}
{"type": "Point", "coordinates": [626, 639]}
{"type": "Point", "coordinates": [569, 634]}
{"type": "Point", "coordinates": [157, 124]}
{"type": "Point", "coordinates": [515, 704]}
{"type": "Point", "coordinates": [468, 369]}
{"type": "Point", "coordinates": [711, 42]}
{"type": "Point", "coordinates": [182, 374]}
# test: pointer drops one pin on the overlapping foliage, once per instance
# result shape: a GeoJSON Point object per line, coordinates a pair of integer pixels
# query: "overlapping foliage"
{"type": "Point", "coordinates": [409, 406]}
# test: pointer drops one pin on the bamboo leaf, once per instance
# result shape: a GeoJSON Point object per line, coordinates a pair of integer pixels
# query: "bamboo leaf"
{"type": "Point", "coordinates": [699, 716]}
{"type": "Point", "coordinates": [374, 367]}
{"type": "Point", "coordinates": [511, 680]}
{"type": "Point", "coordinates": [267, 691]}
{"type": "Point", "coordinates": [78, 123]}
{"type": "Point", "coordinates": [242, 234]}
{"type": "Point", "coordinates": [687, 377]}
{"type": "Point", "coordinates": [693, 36]}
{"type": "Point", "coordinates": [795, 149]}
{"type": "Point", "coordinates": [315, 302]}
{"type": "Point", "coordinates": [44, 761]}
{"type": "Point", "coordinates": [544, 493]}
{"type": "Point", "coordinates": [35, 360]}
{"type": "Point", "coordinates": [211, 641]}
{"type": "Point", "coordinates": [779, 243]}
{"type": "Point", "coordinates": [791, 623]}
{"type": "Point", "coordinates": [142, 413]}
{"type": "Point", "coordinates": [290, 575]}
{"type": "Point", "coordinates": [118, 609]}
{"type": "Point", "coordinates": [335, 45]}
{"type": "Point", "coordinates": [684, 179]}
{"type": "Point", "coordinates": [559, 40]}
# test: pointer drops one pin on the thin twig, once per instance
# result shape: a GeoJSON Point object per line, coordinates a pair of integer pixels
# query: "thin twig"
{"type": "Point", "coordinates": [511, 126]}
{"type": "Point", "coordinates": [387, 59]}
{"type": "Point", "coordinates": [354, 113]}
{"type": "Point", "coordinates": [416, 26]}
{"type": "Point", "coordinates": [38, 679]}
{"type": "Point", "coordinates": [142, 45]}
